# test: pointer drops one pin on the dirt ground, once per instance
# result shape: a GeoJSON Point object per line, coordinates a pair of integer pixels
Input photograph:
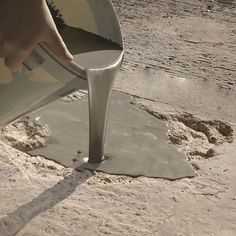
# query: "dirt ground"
{"type": "Point", "coordinates": [180, 67]}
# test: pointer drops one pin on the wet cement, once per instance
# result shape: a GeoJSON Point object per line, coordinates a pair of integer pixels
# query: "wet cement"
{"type": "Point", "coordinates": [102, 59]}
{"type": "Point", "coordinates": [90, 50]}
{"type": "Point", "coordinates": [136, 142]}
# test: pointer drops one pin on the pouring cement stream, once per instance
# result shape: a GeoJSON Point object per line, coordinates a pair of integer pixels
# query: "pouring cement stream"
{"type": "Point", "coordinates": [93, 51]}
{"type": "Point", "coordinates": [100, 87]}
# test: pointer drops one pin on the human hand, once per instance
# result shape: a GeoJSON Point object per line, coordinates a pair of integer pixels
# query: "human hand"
{"type": "Point", "coordinates": [23, 25]}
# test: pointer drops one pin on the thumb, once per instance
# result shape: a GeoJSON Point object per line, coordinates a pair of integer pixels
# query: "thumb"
{"type": "Point", "coordinates": [58, 47]}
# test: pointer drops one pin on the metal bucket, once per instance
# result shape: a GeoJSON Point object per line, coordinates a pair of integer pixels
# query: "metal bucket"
{"type": "Point", "coordinates": [91, 30]}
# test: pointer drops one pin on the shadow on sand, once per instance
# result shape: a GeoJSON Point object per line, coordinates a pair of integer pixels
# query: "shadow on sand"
{"type": "Point", "coordinates": [15, 221]}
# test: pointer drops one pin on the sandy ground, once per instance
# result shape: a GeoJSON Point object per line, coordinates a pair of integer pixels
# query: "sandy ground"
{"type": "Point", "coordinates": [186, 46]}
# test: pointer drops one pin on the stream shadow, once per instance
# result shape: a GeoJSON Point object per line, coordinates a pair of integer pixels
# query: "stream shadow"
{"type": "Point", "coordinates": [15, 221]}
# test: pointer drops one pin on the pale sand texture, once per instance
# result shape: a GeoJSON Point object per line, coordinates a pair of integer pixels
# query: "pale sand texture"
{"type": "Point", "coordinates": [170, 40]}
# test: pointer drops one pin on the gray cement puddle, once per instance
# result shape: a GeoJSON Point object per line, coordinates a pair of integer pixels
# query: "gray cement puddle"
{"type": "Point", "coordinates": [136, 142]}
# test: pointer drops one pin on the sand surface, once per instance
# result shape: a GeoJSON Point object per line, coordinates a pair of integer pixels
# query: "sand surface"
{"type": "Point", "coordinates": [180, 60]}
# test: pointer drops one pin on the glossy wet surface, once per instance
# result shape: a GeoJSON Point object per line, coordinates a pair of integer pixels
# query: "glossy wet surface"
{"type": "Point", "coordinates": [90, 50]}
{"type": "Point", "coordinates": [95, 52]}
{"type": "Point", "coordinates": [136, 142]}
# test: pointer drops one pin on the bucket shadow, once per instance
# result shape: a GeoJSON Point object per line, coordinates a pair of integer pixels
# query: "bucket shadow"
{"type": "Point", "coordinates": [15, 221]}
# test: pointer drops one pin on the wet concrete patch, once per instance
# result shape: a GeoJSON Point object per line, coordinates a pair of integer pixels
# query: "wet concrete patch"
{"type": "Point", "coordinates": [136, 143]}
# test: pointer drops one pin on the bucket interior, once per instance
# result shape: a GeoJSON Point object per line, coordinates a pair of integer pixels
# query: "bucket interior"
{"type": "Point", "coordinates": [90, 29]}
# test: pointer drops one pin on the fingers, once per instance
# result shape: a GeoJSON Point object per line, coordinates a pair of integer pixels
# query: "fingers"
{"type": "Point", "coordinates": [15, 49]}
{"type": "Point", "coordinates": [15, 53]}
{"type": "Point", "coordinates": [14, 57]}
{"type": "Point", "coordinates": [54, 39]}
{"type": "Point", "coordinates": [58, 47]}
{"type": "Point", "coordinates": [15, 60]}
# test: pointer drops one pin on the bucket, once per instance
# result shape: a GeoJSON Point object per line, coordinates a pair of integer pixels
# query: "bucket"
{"type": "Point", "coordinates": [91, 31]}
